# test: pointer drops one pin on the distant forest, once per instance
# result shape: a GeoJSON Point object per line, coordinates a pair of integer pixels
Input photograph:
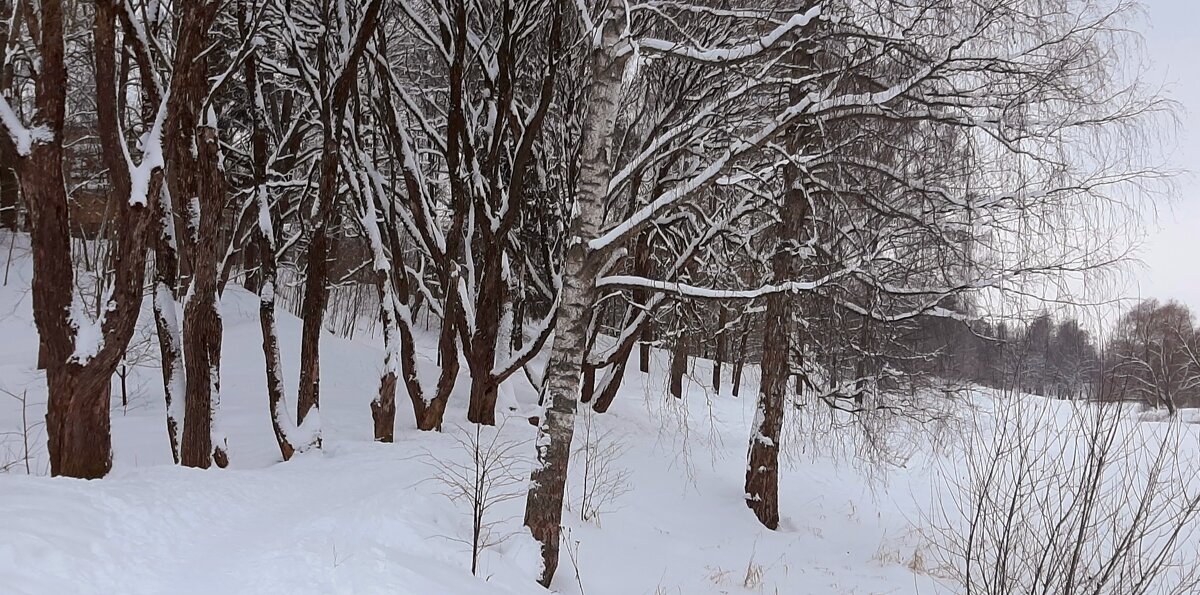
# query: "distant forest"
{"type": "Point", "coordinates": [1151, 356]}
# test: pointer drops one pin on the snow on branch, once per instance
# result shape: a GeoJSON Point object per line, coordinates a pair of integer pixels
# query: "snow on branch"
{"type": "Point", "coordinates": [23, 138]}
{"type": "Point", "coordinates": [152, 159]}
{"type": "Point", "coordinates": [693, 291]}
{"type": "Point", "coordinates": [732, 54]}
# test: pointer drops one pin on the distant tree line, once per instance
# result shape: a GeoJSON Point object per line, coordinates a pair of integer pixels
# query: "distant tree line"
{"type": "Point", "coordinates": [1150, 356]}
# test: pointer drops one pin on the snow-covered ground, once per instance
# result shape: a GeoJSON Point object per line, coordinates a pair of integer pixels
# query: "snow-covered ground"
{"type": "Point", "coordinates": [361, 517]}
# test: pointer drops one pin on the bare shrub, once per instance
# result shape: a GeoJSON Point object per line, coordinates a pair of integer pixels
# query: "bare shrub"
{"type": "Point", "coordinates": [20, 446]}
{"type": "Point", "coordinates": [603, 480]}
{"type": "Point", "coordinates": [494, 473]}
{"type": "Point", "coordinates": [1071, 498]}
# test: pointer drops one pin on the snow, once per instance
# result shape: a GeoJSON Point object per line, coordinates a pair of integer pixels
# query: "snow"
{"type": "Point", "coordinates": [363, 517]}
{"type": "Point", "coordinates": [88, 335]}
{"type": "Point", "coordinates": [741, 52]}
{"type": "Point", "coordinates": [152, 159]}
{"type": "Point", "coordinates": [23, 138]}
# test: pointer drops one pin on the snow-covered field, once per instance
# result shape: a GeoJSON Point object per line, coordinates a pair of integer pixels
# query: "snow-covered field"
{"type": "Point", "coordinates": [361, 517]}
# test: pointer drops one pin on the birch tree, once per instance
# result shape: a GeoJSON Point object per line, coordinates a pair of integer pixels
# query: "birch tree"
{"type": "Point", "coordinates": [892, 152]}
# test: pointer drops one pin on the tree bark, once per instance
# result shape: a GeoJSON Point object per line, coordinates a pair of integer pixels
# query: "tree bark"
{"type": "Point", "coordinates": [543, 507]}
{"type": "Point", "coordinates": [78, 376]}
{"type": "Point", "coordinates": [10, 197]}
{"type": "Point", "coordinates": [721, 347]}
{"type": "Point", "coordinates": [762, 472]}
{"type": "Point", "coordinates": [266, 240]}
{"type": "Point", "coordinates": [641, 259]}
{"type": "Point", "coordinates": [195, 176]}
{"type": "Point", "coordinates": [202, 328]}
{"type": "Point", "coordinates": [679, 364]}
{"type": "Point", "coordinates": [78, 424]}
{"type": "Point", "coordinates": [166, 324]}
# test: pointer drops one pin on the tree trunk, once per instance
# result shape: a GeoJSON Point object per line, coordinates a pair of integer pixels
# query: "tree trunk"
{"type": "Point", "coordinates": [543, 508]}
{"type": "Point", "coordinates": [78, 375]}
{"type": "Point", "coordinates": [721, 347]}
{"type": "Point", "coordinates": [166, 323]}
{"type": "Point", "coordinates": [202, 329]}
{"type": "Point", "coordinates": [679, 364]}
{"type": "Point", "coordinates": [641, 263]}
{"type": "Point", "coordinates": [762, 472]}
{"type": "Point", "coordinates": [77, 424]}
{"type": "Point", "coordinates": [264, 236]}
{"type": "Point", "coordinates": [738, 366]}
{"type": "Point", "coordinates": [482, 406]}
{"type": "Point", "coordinates": [10, 198]}
{"type": "Point", "coordinates": [612, 380]}
{"type": "Point", "coordinates": [481, 354]}
{"type": "Point", "coordinates": [316, 298]}
{"type": "Point", "coordinates": [272, 359]}
{"type": "Point", "coordinates": [316, 282]}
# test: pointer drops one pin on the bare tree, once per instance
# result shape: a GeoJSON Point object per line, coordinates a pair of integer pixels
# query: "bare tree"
{"type": "Point", "coordinates": [490, 478]}
{"type": "Point", "coordinates": [1150, 354]}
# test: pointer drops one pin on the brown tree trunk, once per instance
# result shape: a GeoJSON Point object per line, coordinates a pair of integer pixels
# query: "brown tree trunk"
{"type": "Point", "coordinates": [320, 250]}
{"type": "Point", "coordinates": [383, 409]}
{"type": "Point", "coordinates": [721, 347]}
{"type": "Point", "coordinates": [679, 364]}
{"type": "Point", "coordinates": [612, 383]}
{"type": "Point", "coordinates": [762, 472]}
{"type": "Point", "coordinates": [587, 387]}
{"type": "Point", "coordinates": [641, 264]}
{"type": "Point", "coordinates": [738, 366]}
{"type": "Point", "coordinates": [10, 197]}
{"type": "Point", "coordinates": [316, 298]}
{"type": "Point", "coordinates": [482, 407]}
{"type": "Point", "coordinates": [166, 324]}
{"type": "Point", "coordinates": [202, 328]}
{"type": "Point", "coordinates": [78, 375]}
{"type": "Point", "coordinates": [193, 155]}
{"type": "Point", "coordinates": [274, 365]}
{"type": "Point", "coordinates": [77, 424]}
{"type": "Point", "coordinates": [481, 355]}
{"type": "Point", "coordinates": [268, 264]}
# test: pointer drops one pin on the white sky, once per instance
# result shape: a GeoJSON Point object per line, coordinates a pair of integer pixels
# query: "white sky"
{"type": "Point", "coordinates": [1172, 251]}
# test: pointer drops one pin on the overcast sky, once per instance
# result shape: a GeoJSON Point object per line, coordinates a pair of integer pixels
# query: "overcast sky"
{"type": "Point", "coordinates": [1172, 252]}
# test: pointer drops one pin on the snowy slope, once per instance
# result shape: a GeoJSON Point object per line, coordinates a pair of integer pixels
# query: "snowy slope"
{"type": "Point", "coordinates": [360, 517]}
